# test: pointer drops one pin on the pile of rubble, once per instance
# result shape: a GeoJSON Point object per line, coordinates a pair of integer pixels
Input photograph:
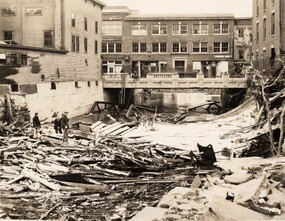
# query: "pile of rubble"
{"type": "Point", "coordinates": [98, 176]}
{"type": "Point", "coordinates": [243, 189]}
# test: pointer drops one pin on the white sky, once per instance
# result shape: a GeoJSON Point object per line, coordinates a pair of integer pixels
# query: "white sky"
{"type": "Point", "coordinates": [240, 8]}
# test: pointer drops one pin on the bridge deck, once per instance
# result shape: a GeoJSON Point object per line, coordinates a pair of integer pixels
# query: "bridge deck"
{"type": "Point", "coordinates": [171, 80]}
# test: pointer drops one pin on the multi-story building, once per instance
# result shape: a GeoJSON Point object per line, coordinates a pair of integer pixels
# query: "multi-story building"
{"type": "Point", "coordinates": [242, 52]}
{"type": "Point", "coordinates": [268, 32]}
{"type": "Point", "coordinates": [187, 44]}
{"type": "Point", "coordinates": [51, 46]}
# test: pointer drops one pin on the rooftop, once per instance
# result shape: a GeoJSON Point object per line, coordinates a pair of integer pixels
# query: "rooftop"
{"type": "Point", "coordinates": [178, 16]}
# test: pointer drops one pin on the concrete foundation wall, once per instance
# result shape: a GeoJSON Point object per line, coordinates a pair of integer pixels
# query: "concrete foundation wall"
{"type": "Point", "coordinates": [75, 100]}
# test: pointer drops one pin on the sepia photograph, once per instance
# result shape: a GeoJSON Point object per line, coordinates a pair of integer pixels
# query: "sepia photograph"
{"type": "Point", "coordinates": [142, 110]}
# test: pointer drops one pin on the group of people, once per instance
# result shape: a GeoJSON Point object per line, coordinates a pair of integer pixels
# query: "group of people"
{"type": "Point", "coordinates": [61, 125]}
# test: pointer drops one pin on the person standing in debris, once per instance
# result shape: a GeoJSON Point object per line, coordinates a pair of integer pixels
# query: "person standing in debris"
{"type": "Point", "coordinates": [36, 125]}
{"type": "Point", "coordinates": [64, 121]}
{"type": "Point", "coordinates": [57, 124]}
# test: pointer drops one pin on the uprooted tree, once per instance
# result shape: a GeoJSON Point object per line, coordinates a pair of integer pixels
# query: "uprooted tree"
{"type": "Point", "coordinates": [269, 91]}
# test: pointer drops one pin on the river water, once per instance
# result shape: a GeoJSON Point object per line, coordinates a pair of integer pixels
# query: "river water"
{"type": "Point", "coordinates": [173, 102]}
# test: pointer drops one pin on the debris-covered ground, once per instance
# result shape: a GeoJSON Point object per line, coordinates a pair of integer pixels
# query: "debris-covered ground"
{"type": "Point", "coordinates": [149, 166]}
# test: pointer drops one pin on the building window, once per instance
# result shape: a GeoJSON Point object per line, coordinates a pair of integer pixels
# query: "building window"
{"type": "Point", "coordinates": [159, 47]}
{"type": "Point", "coordinates": [2, 59]}
{"type": "Point", "coordinates": [179, 47]}
{"type": "Point", "coordinates": [52, 85]}
{"type": "Point", "coordinates": [77, 44]}
{"type": "Point", "coordinates": [34, 11]}
{"type": "Point", "coordinates": [159, 29]}
{"type": "Point", "coordinates": [180, 29]}
{"type": "Point", "coordinates": [264, 4]}
{"type": "Point", "coordinates": [221, 28]}
{"type": "Point", "coordinates": [200, 29]}
{"type": "Point", "coordinates": [257, 32]}
{"type": "Point", "coordinates": [8, 11]}
{"type": "Point", "coordinates": [85, 45]}
{"type": "Point", "coordinates": [139, 47]}
{"type": "Point", "coordinates": [72, 19]}
{"type": "Point", "coordinates": [8, 35]}
{"type": "Point", "coordinates": [85, 24]}
{"type": "Point", "coordinates": [14, 87]}
{"type": "Point", "coordinates": [112, 28]}
{"type": "Point", "coordinates": [111, 67]}
{"type": "Point", "coordinates": [88, 84]}
{"type": "Point", "coordinates": [221, 47]}
{"type": "Point", "coordinates": [96, 47]}
{"type": "Point", "coordinates": [241, 54]}
{"type": "Point", "coordinates": [241, 32]}
{"type": "Point", "coordinates": [272, 23]}
{"type": "Point", "coordinates": [139, 29]}
{"type": "Point", "coordinates": [96, 27]}
{"type": "Point", "coordinates": [48, 39]}
{"type": "Point", "coordinates": [264, 28]}
{"type": "Point", "coordinates": [76, 84]}
{"type": "Point", "coordinates": [225, 47]}
{"type": "Point", "coordinates": [111, 47]}
{"type": "Point", "coordinates": [74, 43]}
{"type": "Point", "coordinates": [200, 47]}
{"type": "Point", "coordinates": [24, 60]}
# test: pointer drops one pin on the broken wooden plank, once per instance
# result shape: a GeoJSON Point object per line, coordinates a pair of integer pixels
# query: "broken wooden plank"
{"type": "Point", "coordinates": [95, 125]}
{"type": "Point", "coordinates": [120, 173]}
{"type": "Point", "coordinates": [117, 132]}
{"type": "Point", "coordinates": [94, 187]}
{"type": "Point", "coordinates": [37, 178]}
{"type": "Point", "coordinates": [112, 129]}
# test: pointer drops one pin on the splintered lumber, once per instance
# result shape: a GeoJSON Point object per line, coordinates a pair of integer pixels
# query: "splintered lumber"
{"type": "Point", "coordinates": [109, 127]}
{"type": "Point", "coordinates": [116, 127]}
{"type": "Point", "coordinates": [120, 173]}
{"type": "Point", "coordinates": [49, 211]}
{"type": "Point", "coordinates": [37, 178]}
{"type": "Point", "coordinates": [94, 187]}
{"type": "Point", "coordinates": [95, 125]}
{"type": "Point", "coordinates": [97, 128]}
{"type": "Point", "coordinates": [117, 132]}
{"type": "Point", "coordinates": [137, 181]}
{"type": "Point", "coordinates": [15, 179]}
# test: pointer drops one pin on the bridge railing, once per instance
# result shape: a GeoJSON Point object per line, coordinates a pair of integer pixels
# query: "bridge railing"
{"type": "Point", "coordinates": [171, 80]}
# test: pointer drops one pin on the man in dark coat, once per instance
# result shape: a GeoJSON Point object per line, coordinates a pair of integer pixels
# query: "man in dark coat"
{"type": "Point", "coordinates": [36, 124]}
{"type": "Point", "coordinates": [64, 121]}
{"type": "Point", "coordinates": [57, 125]}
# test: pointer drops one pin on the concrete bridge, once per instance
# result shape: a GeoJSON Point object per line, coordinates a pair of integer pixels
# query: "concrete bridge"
{"type": "Point", "coordinates": [171, 80]}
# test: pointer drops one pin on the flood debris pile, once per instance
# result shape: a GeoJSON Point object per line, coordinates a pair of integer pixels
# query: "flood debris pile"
{"type": "Point", "coordinates": [14, 118]}
{"type": "Point", "coordinates": [265, 137]}
{"type": "Point", "coordinates": [99, 176]}
{"type": "Point", "coordinates": [241, 190]}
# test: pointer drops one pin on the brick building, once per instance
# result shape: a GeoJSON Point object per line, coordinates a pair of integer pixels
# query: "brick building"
{"type": "Point", "coordinates": [268, 32]}
{"type": "Point", "coordinates": [50, 40]}
{"type": "Point", "coordinates": [242, 53]}
{"type": "Point", "coordinates": [187, 44]}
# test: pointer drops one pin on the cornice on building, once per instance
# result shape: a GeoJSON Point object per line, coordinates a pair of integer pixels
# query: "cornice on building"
{"type": "Point", "coordinates": [30, 48]}
{"type": "Point", "coordinates": [148, 17]}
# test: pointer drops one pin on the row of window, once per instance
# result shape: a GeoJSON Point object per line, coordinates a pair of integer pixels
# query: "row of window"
{"type": "Point", "coordinates": [161, 47]}
{"type": "Point", "coordinates": [13, 59]}
{"type": "Point", "coordinates": [30, 11]}
{"type": "Point", "coordinates": [115, 28]}
{"type": "Point", "coordinates": [85, 24]}
{"type": "Point", "coordinates": [264, 5]}
{"type": "Point", "coordinates": [75, 44]}
{"type": "Point", "coordinates": [264, 27]}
